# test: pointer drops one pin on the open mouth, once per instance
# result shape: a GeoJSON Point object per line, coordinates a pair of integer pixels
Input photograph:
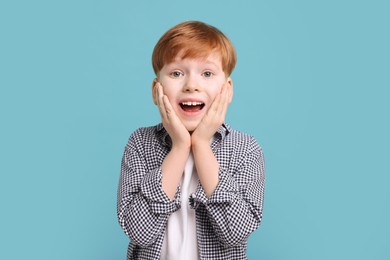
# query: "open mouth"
{"type": "Point", "coordinates": [192, 106]}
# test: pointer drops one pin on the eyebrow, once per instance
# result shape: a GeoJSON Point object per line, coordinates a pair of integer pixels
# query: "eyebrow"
{"type": "Point", "coordinates": [206, 62]}
{"type": "Point", "coordinates": [211, 63]}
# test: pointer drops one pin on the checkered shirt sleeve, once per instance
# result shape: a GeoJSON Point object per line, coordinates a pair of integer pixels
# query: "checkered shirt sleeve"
{"type": "Point", "coordinates": [224, 221]}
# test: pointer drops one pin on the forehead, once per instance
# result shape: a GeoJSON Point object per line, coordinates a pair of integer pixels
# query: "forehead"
{"type": "Point", "coordinates": [213, 58]}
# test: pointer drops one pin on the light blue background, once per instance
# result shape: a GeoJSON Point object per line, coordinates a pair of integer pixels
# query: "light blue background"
{"type": "Point", "coordinates": [311, 84]}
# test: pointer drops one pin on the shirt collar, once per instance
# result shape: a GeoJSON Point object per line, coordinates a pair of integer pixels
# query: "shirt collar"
{"type": "Point", "coordinates": [162, 134]}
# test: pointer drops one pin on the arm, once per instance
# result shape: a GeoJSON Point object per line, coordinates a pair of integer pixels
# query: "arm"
{"type": "Point", "coordinates": [146, 198]}
{"type": "Point", "coordinates": [231, 188]}
{"type": "Point", "coordinates": [174, 163]}
{"type": "Point", "coordinates": [143, 207]}
{"type": "Point", "coordinates": [235, 208]}
{"type": "Point", "coordinates": [206, 163]}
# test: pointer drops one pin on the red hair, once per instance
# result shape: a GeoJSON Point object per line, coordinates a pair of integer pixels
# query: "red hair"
{"type": "Point", "coordinates": [193, 39]}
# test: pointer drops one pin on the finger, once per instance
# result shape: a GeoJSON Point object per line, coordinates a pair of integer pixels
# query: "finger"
{"type": "Point", "coordinates": [171, 114]}
{"type": "Point", "coordinates": [168, 108]}
{"type": "Point", "coordinates": [222, 100]}
{"type": "Point", "coordinates": [213, 110]}
{"type": "Point", "coordinates": [223, 104]}
{"type": "Point", "coordinates": [225, 107]}
{"type": "Point", "coordinates": [217, 101]}
{"type": "Point", "coordinates": [161, 105]}
{"type": "Point", "coordinates": [160, 92]}
{"type": "Point", "coordinates": [157, 92]}
{"type": "Point", "coordinates": [228, 93]}
{"type": "Point", "coordinates": [155, 89]}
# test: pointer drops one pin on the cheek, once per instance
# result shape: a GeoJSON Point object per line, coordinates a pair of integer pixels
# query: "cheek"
{"type": "Point", "coordinates": [216, 90]}
{"type": "Point", "coordinates": [213, 94]}
{"type": "Point", "coordinates": [169, 91]}
{"type": "Point", "coordinates": [166, 85]}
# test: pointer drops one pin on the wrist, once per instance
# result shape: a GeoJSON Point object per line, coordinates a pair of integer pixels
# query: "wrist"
{"type": "Point", "coordinates": [199, 143]}
{"type": "Point", "coordinates": [182, 147]}
{"type": "Point", "coordinates": [197, 139]}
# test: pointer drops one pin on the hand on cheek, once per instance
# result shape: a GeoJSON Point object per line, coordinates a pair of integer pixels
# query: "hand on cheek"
{"type": "Point", "coordinates": [214, 117]}
{"type": "Point", "coordinates": [175, 128]}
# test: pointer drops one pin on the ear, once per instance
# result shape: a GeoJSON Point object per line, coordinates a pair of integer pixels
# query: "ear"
{"type": "Point", "coordinates": [230, 89]}
{"type": "Point", "coordinates": [154, 91]}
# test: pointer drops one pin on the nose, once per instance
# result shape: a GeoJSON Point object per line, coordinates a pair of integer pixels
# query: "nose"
{"type": "Point", "coordinates": [191, 84]}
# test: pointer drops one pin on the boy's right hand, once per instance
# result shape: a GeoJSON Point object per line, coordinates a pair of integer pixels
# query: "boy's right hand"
{"type": "Point", "coordinates": [179, 134]}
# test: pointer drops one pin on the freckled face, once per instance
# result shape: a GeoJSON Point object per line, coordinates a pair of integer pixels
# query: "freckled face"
{"type": "Point", "coordinates": [191, 86]}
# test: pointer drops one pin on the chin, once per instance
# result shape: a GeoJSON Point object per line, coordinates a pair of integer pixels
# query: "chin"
{"type": "Point", "coordinates": [191, 127]}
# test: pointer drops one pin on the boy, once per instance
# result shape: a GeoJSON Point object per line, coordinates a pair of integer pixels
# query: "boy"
{"type": "Point", "coordinates": [191, 187]}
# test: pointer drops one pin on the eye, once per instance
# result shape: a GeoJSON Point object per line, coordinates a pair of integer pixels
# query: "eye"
{"type": "Point", "coordinates": [207, 74]}
{"type": "Point", "coordinates": [176, 74]}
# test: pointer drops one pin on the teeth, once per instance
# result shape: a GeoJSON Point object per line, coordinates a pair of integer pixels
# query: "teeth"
{"type": "Point", "coordinates": [192, 103]}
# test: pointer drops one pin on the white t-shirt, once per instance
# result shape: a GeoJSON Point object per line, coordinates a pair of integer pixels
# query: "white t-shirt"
{"type": "Point", "coordinates": [180, 236]}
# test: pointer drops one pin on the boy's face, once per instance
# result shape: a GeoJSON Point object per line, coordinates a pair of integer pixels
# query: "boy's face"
{"type": "Point", "coordinates": [191, 86]}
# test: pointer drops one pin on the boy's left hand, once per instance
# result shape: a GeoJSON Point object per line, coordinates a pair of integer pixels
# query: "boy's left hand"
{"type": "Point", "coordinates": [214, 117]}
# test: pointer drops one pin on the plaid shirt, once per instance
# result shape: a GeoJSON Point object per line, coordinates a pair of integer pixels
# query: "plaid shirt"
{"type": "Point", "coordinates": [223, 222]}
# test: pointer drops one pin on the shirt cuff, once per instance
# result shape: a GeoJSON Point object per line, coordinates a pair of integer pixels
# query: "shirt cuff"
{"type": "Point", "coordinates": [225, 192]}
{"type": "Point", "coordinates": [151, 188]}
